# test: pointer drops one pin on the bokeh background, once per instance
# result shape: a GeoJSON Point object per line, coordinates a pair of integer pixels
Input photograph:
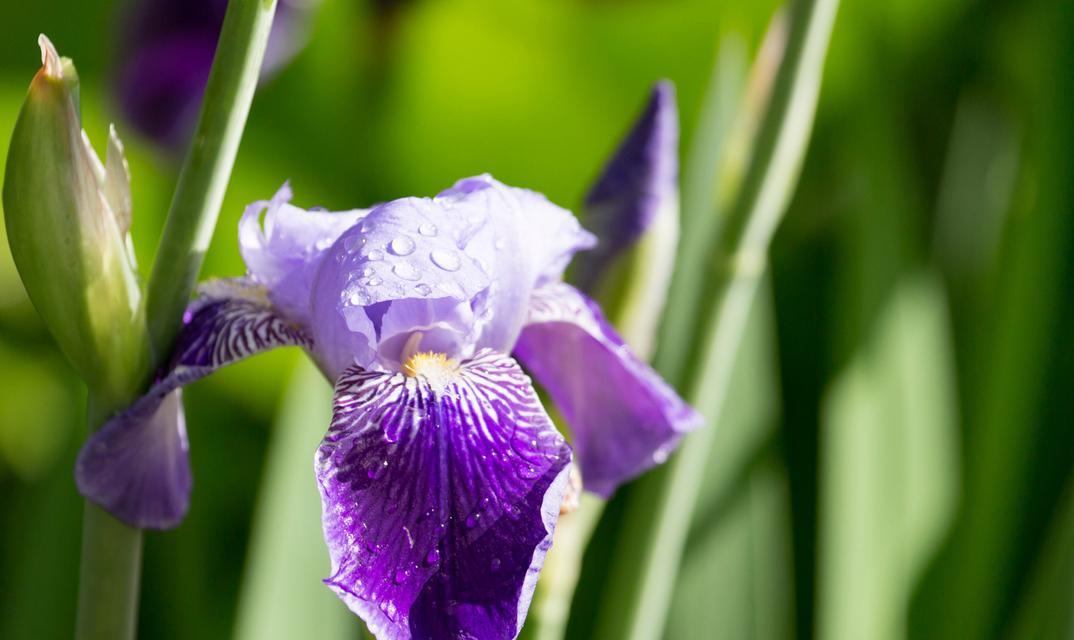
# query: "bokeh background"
{"type": "Point", "coordinates": [896, 456]}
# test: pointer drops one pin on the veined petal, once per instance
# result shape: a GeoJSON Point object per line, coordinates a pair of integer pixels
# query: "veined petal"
{"type": "Point", "coordinates": [440, 496]}
{"type": "Point", "coordinates": [136, 466]}
{"type": "Point", "coordinates": [623, 416]}
{"type": "Point", "coordinates": [638, 184]}
{"type": "Point", "coordinates": [285, 249]}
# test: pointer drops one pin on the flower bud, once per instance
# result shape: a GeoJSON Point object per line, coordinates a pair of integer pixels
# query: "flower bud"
{"type": "Point", "coordinates": [67, 218]}
{"type": "Point", "coordinates": [633, 208]}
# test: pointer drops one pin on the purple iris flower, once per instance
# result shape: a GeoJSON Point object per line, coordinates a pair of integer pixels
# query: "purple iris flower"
{"type": "Point", "coordinates": [441, 475]}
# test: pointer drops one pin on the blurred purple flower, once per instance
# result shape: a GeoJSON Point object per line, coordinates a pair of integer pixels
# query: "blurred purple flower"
{"type": "Point", "coordinates": [166, 50]}
{"type": "Point", "coordinates": [441, 475]}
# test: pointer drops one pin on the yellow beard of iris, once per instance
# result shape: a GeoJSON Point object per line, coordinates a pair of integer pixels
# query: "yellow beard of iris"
{"type": "Point", "coordinates": [436, 368]}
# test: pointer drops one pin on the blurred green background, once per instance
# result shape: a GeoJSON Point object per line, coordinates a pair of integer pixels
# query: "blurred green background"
{"type": "Point", "coordinates": [896, 457]}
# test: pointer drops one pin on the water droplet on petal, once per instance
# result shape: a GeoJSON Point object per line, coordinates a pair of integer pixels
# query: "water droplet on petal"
{"type": "Point", "coordinates": [446, 260]}
{"type": "Point", "coordinates": [432, 557]}
{"type": "Point", "coordinates": [367, 271]}
{"type": "Point", "coordinates": [528, 471]}
{"type": "Point", "coordinates": [660, 456]}
{"type": "Point", "coordinates": [374, 281]}
{"type": "Point", "coordinates": [375, 254]}
{"type": "Point", "coordinates": [401, 576]}
{"type": "Point", "coordinates": [401, 246]}
{"type": "Point", "coordinates": [406, 271]}
{"type": "Point", "coordinates": [495, 564]}
{"type": "Point", "coordinates": [471, 520]}
{"type": "Point", "coordinates": [423, 289]}
{"type": "Point", "coordinates": [353, 242]}
{"type": "Point", "coordinates": [427, 229]}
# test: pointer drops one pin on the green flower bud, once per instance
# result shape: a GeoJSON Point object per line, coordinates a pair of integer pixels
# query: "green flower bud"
{"type": "Point", "coordinates": [67, 218]}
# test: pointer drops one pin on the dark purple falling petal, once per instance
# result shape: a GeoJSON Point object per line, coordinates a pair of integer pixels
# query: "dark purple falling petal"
{"type": "Point", "coordinates": [439, 499]}
{"type": "Point", "coordinates": [640, 179]}
{"type": "Point", "coordinates": [136, 466]}
{"type": "Point", "coordinates": [623, 416]}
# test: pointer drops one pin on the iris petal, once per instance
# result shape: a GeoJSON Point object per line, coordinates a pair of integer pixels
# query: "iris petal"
{"type": "Point", "coordinates": [524, 240]}
{"type": "Point", "coordinates": [283, 246]}
{"type": "Point", "coordinates": [136, 466]}
{"type": "Point", "coordinates": [623, 416]}
{"type": "Point", "coordinates": [404, 252]}
{"type": "Point", "coordinates": [440, 498]}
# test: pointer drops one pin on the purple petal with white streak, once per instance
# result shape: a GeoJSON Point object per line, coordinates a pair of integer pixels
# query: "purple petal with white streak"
{"type": "Point", "coordinates": [624, 418]}
{"type": "Point", "coordinates": [439, 499]}
{"type": "Point", "coordinates": [135, 466]}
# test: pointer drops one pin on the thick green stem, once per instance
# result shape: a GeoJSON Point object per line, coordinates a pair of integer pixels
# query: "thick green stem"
{"type": "Point", "coordinates": [112, 551]}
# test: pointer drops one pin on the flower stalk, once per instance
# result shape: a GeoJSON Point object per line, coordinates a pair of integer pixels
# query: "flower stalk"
{"type": "Point", "coordinates": [111, 551]}
{"type": "Point", "coordinates": [204, 177]}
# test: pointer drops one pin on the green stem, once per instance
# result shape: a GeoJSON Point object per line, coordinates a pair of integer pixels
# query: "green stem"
{"type": "Point", "coordinates": [645, 572]}
{"type": "Point", "coordinates": [207, 169]}
{"type": "Point", "coordinates": [111, 551]}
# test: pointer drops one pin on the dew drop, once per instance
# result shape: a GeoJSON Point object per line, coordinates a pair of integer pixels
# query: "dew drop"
{"type": "Point", "coordinates": [446, 260]}
{"type": "Point", "coordinates": [401, 246]}
{"type": "Point", "coordinates": [660, 456]}
{"type": "Point", "coordinates": [406, 271]}
{"type": "Point", "coordinates": [367, 271]}
{"type": "Point", "coordinates": [423, 289]}
{"type": "Point", "coordinates": [353, 242]}
{"type": "Point", "coordinates": [495, 564]}
{"type": "Point", "coordinates": [432, 557]}
{"type": "Point", "coordinates": [374, 281]}
{"type": "Point", "coordinates": [471, 521]}
{"type": "Point", "coordinates": [375, 254]}
{"type": "Point", "coordinates": [401, 576]}
{"type": "Point", "coordinates": [427, 229]}
{"type": "Point", "coordinates": [528, 471]}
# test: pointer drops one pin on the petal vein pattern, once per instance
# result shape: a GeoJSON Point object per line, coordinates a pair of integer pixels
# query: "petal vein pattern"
{"type": "Point", "coordinates": [136, 465]}
{"type": "Point", "coordinates": [439, 503]}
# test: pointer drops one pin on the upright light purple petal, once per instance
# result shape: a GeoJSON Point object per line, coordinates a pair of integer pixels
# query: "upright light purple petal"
{"type": "Point", "coordinates": [406, 258]}
{"type": "Point", "coordinates": [638, 182]}
{"type": "Point", "coordinates": [623, 416]}
{"type": "Point", "coordinates": [136, 466]}
{"type": "Point", "coordinates": [523, 239]}
{"type": "Point", "coordinates": [440, 496]}
{"type": "Point", "coordinates": [283, 246]}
